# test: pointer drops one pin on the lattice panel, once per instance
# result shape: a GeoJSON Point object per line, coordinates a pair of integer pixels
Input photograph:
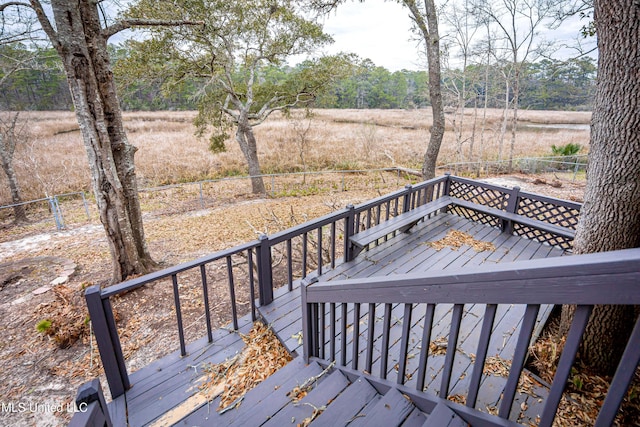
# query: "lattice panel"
{"type": "Point", "coordinates": [543, 237]}
{"type": "Point", "coordinates": [482, 196]}
{"type": "Point", "coordinates": [564, 216]}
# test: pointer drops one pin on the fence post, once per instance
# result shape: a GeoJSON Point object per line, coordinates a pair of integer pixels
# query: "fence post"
{"type": "Point", "coordinates": [92, 392]}
{"type": "Point", "coordinates": [55, 211]}
{"type": "Point", "coordinates": [59, 210]}
{"type": "Point", "coordinates": [108, 341]}
{"type": "Point", "coordinates": [201, 198]}
{"type": "Point", "coordinates": [265, 273]}
{"type": "Point", "coordinates": [348, 232]}
{"type": "Point", "coordinates": [86, 205]}
{"type": "Point", "coordinates": [511, 207]}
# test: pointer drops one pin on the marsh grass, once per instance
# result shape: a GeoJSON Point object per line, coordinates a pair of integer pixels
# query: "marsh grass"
{"type": "Point", "coordinates": [54, 161]}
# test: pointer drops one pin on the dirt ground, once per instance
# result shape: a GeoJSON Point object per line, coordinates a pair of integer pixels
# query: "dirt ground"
{"type": "Point", "coordinates": [42, 276]}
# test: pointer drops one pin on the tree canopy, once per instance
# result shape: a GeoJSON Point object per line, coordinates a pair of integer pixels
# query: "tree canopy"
{"type": "Point", "coordinates": [238, 58]}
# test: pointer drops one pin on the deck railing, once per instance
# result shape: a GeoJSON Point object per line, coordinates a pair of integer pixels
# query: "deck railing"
{"type": "Point", "coordinates": [339, 320]}
{"type": "Point", "coordinates": [254, 269]}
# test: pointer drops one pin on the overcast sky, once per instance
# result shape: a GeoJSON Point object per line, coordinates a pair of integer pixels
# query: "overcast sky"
{"type": "Point", "coordinates": [380, 31]}
{"type": "Point", "coordinates": [377, 30]}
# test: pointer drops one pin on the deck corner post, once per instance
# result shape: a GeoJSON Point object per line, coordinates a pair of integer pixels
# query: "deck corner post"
{"type": "Point", "coordinates": [511, 207]}
{"type": "Point", "coordinates": [447, 184]}
{"type": "Point", "coordinates": [265, 274]}
{"type": "Point", "coordinates": [90, 392]}
{"type": "Point", "coordinates": [107, 339]}
{"type": "Point", "coordinates": [306, 323]}
{"type": "Point", "coordinates": [349, 231]}
{"type": "Point", "coordinates": [406, 200]}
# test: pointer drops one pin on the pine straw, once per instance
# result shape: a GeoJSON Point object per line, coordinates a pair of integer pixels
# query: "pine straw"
{"type": "Point", "coordinates": [68, 315]}
{"type": "Point", "coordinates": [455, 239]}
{"type": "Point", "coordinates": [585, 393]}
{"type": "Point", "coordinates": [263, 355]}
{"type": "Point", "coordinates": [497, 366]}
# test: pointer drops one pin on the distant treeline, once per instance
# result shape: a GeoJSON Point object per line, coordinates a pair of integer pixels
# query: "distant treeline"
{"type": "Point", "coordinates": [545, 85]}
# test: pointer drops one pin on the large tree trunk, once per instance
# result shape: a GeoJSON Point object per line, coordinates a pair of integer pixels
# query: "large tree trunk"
{"type": "Point", "coordinates": [249, 147]}
{"type": "Point", "coordinates": [83, 51]}
{"type": "Point", "coordinates": [610, 217]}
{"type": "Point", "coordinates": [429, 30]}
{"type": "Point", "coordinates": [435, 93]}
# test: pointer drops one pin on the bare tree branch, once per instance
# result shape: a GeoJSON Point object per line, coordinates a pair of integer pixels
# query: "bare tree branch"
{"type": "Point", "coordinates": [45, 23]}
{"type": "Point", "coordinates": [130, 23]}
{"type": "Point", "coordinates": [3, 6]}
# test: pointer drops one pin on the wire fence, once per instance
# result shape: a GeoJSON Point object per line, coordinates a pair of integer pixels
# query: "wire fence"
{"type": "Point", "coordinates": [567, 167]}
{"type": "Point", "coordinates": [67, 210]}
{"type": "Point", "coordinates": [63, 211]}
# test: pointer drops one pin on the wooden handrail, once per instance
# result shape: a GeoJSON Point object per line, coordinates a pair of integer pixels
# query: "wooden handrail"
{"type": "Point", "coordinates": [602, 278]}
{"type": "Point", "coordinates": [608, 278]}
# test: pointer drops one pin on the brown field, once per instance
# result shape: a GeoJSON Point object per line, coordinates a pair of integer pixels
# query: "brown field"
{"type": "Point", "coordinates": [53, 160]}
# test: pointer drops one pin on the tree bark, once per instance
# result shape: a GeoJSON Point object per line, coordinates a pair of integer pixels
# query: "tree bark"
{"type": "Point", "coordinates": [8, 141]}
{"type": "Point", "coordinates": [610, 217]}
{"type": "Point", "coordinates": [248, 145]}
{"type": "Point", "coordinates": [429, 31]}
{"type": "Point", "coordinates": [83, 51]}
{"type": "Point", "coordinates": [435, 92]}
{"type": "Point", "coordinates": [514, 117]}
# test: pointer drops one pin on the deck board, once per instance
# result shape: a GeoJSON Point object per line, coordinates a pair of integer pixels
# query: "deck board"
{"type": "Point", "coordinates": [165, 383]}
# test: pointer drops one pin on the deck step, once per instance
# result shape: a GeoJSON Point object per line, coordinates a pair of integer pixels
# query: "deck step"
{"type": "Point", "coordinates": [417, 418]}
{"type": "Point", "coordinates": [392, 410]}
{"type": "Point", "coordinates": [294, 372]}
{"type": "Point", "coordinates": [273, 400]}
{"type": "Point", "coordinates": [444, 416]}
{"type": "Point", "coordinates": [315, 401]}
{"type": "Point", "coordinates": [348, 404]}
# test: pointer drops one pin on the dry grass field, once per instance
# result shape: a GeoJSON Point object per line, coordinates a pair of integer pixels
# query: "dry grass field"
{"type": "Point", "coordinates": [53, 160]}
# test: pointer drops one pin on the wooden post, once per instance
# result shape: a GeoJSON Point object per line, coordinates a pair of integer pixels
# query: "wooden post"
{"type": "Point", "coordinates": [92, 392]}
{"type": "Point", "coordinates": [108, 342]}
{"type": "Point", "coordinates": [447, 184]}
{"type": "Point", "coordinates": [511, 207]}
{"type": "Point", "coordinates": [348, 232]}
{"type": "Point", "coordinates": [406, 201]}
{"type": "Point", "coordinates": [265, 274]}
{"type": "Point", "coordinates": [306, 323]}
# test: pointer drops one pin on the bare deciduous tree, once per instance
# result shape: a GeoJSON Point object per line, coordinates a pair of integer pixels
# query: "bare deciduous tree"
{"type": "Point", "coordinates": [79, 33]}
{"type": "Point", "coordinates": [518, 23]}
{"type": "Point", "coordinates": [425, 19]}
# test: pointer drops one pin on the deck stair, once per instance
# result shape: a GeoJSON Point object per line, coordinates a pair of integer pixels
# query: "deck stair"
{"type": "Point", "coordinates": [331, 396]}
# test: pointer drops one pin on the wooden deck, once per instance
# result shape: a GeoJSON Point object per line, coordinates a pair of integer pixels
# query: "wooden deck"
{"type": "Point", "coordinates": [410, 253]}
{"type": "Point", "coordinates": [165, 385]}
